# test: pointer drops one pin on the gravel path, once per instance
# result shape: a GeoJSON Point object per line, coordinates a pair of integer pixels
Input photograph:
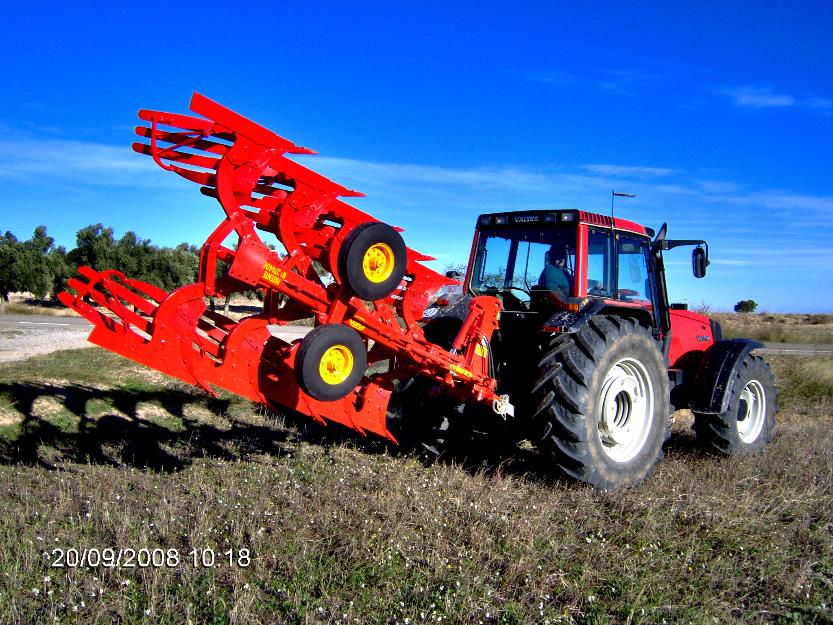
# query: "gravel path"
{"type": "Point", "coordinates": [22, 336]}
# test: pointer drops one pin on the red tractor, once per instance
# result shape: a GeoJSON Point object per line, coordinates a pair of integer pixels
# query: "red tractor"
{"type": "Point", "coordinates": [593, 354]}
{"type": "Point", "coordinates": [563, 333]}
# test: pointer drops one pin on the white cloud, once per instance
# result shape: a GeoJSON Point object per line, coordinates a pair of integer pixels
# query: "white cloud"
{"type": "Point", "coordinates": [79, 162]}
{"type": "Point", "coordinates": [758, 97]}
{"type": "Point", "coordinates": [624, 82]}
{"type": "Point", "coordinates": [786, 202]}
{"type": "Point", "coordinates": [625, 171]}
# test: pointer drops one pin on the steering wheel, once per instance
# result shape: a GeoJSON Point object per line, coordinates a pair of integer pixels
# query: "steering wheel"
{"type": "Point", "coordinates": [517, 288]}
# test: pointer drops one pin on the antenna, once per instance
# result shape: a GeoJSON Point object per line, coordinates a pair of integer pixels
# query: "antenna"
{"type": "Point", "coordinates": [614, 195]}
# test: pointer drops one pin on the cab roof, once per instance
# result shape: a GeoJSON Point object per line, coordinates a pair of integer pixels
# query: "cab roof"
{"type": "Point", "coordinates": [553, 217]}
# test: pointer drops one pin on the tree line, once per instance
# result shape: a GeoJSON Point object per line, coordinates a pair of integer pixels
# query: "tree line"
{"type": "Point", "coordinates": [40, 267]}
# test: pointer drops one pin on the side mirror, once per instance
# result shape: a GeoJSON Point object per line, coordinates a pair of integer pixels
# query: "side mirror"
{"type": "Point", "coordinates": [453, 274]}
{"type": "Point", "coordinates": [699, 262]}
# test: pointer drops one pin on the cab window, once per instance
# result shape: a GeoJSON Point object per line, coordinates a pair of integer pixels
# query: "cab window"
{"type": "Point", "coordinates": [632, 282]}
{"type": "Point", "coordinates": [599, 262]}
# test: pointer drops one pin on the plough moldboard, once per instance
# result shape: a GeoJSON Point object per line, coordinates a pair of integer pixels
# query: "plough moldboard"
{"type": "Point", "coordinates": [374, 290]}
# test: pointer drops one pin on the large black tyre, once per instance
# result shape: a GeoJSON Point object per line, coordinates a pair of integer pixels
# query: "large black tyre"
{"type": "Point", "coordinates": [601, 402]}
{"type": "Point", "coordinates": [372, 260]}
{"type": "Point", "coordinates": [747, 424]}
{"type": "Point", "coordinates": [420, 415]}
{"type": "Point", "coordinates": [423, 420]}
{"type": "Point", "coordinates": [331, 361]}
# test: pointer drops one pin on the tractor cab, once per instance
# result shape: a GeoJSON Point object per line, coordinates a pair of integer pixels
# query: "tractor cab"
{"type": "Point", "coordinates": [542, 262]}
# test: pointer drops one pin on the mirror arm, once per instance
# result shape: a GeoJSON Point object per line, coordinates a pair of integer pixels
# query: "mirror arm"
{"type": "Point", "coordinates": [668, 245]}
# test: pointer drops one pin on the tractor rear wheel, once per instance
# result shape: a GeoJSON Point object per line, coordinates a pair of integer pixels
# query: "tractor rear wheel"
{"type": "Point", "coordinates": [372, 260]}
{"type": "Point", "coordinates": [747, 424]}
{"type": "Point", "coordinates": [331, 361]}
{"type": "Point", "coordinates": [601, 400]}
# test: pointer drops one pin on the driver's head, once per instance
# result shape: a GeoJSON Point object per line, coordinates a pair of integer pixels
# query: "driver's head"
{"type": "Point", "coordinates": [556, 255]}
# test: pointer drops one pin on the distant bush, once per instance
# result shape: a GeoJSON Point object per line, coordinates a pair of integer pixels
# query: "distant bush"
{"type": "Point", "coordinates": [746, 306]}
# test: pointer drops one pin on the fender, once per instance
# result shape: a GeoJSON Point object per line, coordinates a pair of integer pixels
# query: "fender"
{"type": "Point", "coordinates": [712, 386]}
{"type": "Point", "coordinates": [564, 321]}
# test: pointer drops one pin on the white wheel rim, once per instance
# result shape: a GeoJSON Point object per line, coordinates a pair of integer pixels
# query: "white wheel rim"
{"type": "Point", "coordinates": [751, 411]}
{"type": "Point", "coordinates": [627, 409]}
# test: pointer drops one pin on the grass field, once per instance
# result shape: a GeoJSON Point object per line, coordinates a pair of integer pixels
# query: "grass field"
{"type": "Point", "coordinates": [777, 328]}
{"type": "Point", "coordinates": [98, 453]}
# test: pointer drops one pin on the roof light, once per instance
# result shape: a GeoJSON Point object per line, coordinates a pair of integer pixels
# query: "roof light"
{"type": "Point", "coordinates": [484, 220]}
{"type": "Point", "coordinates": [501, 220]}
{"type": "Point", "coordinates": [568, 216]}
{"type": "Point", "coordinates": [549, 218]}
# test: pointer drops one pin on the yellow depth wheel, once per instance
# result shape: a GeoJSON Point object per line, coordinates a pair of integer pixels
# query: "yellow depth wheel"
{"type": "Point", "coordinates": [378, 262]}
{"type": "Point", "coordinates": [336, 364]}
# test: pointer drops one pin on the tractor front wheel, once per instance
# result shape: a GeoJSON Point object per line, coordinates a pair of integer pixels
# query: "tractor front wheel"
{"type": "Point", "coordinates": [747, 424]}
{"type": "Point", "coordinates": [602, 404]}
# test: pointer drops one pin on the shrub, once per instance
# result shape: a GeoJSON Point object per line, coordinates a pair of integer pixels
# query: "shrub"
{"type": "Point", "coordinates": [746, 306]}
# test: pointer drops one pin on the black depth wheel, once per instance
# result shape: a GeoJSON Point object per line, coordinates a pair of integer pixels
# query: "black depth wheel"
{"type": "Point", "coordinates": [372, 260]}
{"type": "Point", "coordinates": [601, 401]}
{"type": "Point", "coordinates": [747, 425]}
{"type": "Point", "coordinates": [331, 362]}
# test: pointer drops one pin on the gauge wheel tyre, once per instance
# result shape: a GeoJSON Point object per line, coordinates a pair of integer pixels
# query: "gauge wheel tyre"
{"type": "Point", "coordinates": [748, 423]}
{"type": "Point", "coordinates": [372, 260]}
{"type": "Point", "coordinates": [331, 362]}
{"type": "Point", "coordinates": [601, 402]}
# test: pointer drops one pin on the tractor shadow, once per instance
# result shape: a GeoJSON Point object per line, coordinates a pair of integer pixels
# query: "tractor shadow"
{"type": "Point", "coordinates": [166, 429]}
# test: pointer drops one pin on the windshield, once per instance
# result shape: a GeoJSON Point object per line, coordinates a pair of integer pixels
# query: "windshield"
{"type": "Point", "coordinates": [523, 259]}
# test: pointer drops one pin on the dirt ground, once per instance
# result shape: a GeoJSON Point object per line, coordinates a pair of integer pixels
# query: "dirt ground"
{"type": "Point", "coordinates": [25, 336]}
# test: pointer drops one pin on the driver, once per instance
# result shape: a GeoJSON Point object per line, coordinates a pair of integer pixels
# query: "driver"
{"type": "Point", "coordinates": [554, 277]}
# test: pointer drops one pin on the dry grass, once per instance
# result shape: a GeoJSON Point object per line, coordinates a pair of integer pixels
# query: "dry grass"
{"type": "Point", "coordinates": [30, 308]}
{"type": "Point", "coordinates": [805, 383]}
{"type": "Point", "coordinates": [345, 532]}
{"type": "Point", "coordinates": [777, 328]}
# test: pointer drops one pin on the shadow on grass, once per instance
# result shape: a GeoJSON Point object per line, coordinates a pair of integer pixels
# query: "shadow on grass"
{"type": "Point", "coordinates": [80, 423]}
{"type": "Point", "coordinates": [120, 435]}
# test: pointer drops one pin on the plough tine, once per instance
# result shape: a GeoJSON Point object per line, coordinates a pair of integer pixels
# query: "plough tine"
{"type": "Point", "coordinates": [179, 138]}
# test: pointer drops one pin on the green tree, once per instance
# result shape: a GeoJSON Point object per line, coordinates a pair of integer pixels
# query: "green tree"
{"type": "Point", "coordinates": [10, 256]}
{"type": "Point", "coordinates": [35, 270]}
{"type": "Point", "coordinates": [60, 269]}
{"type": "Point", "coordinates": [41, 268]}
{"type": "Point", "coordinates": [95, 247]}
{"type": "Point", "coordinates": [746, 306]}
{"type": "Point", "coordinates": [35, 265]}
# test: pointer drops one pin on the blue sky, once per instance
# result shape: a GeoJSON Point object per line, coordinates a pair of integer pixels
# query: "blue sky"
{"type": "Point", "coordinates": [718, 116]}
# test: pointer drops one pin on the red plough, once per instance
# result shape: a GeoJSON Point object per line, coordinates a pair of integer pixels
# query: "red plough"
{"type": "Point", "coordinates": [349, 272]}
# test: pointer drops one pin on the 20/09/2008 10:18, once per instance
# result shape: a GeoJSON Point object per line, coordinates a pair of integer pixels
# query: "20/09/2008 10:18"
{"type": "Point", "coordinates": [127, 558]}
